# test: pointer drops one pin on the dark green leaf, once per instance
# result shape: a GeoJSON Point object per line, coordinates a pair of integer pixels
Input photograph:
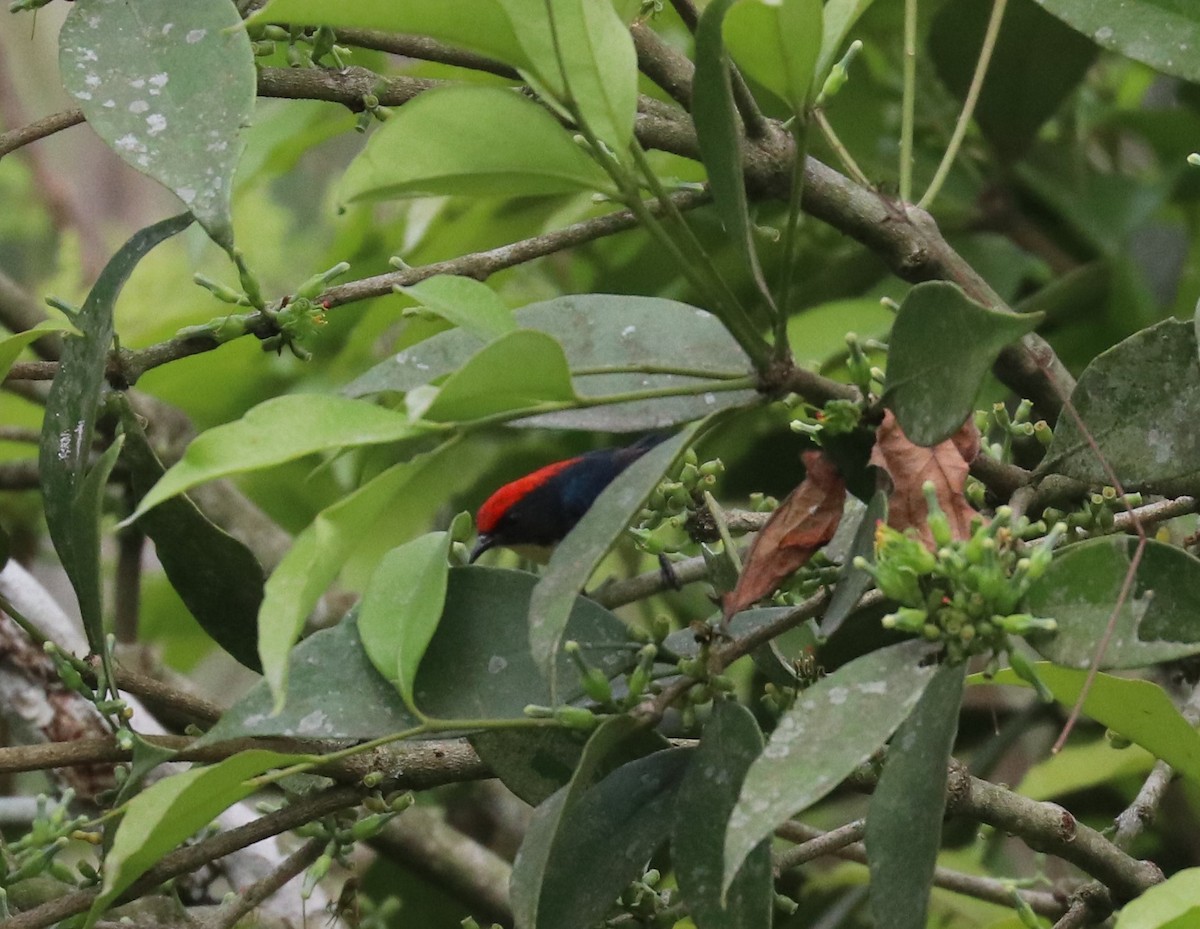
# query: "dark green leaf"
{"type": "Point", "coordinates": [278, 430]}
{"type": "Point", "coordinates": [598, 332]}
{"type": "Point", "coordinates": [334, 692]}
{"type": "Point", "coordinates": [479, 25]}
{"type": "Point", "coordinates": [1141, 711]}
{"type": "Point", "coordinates": [401, 607]}
{"type": "Point", "coordinates": [1161, 33]}
{"type": "Point", "coordinates": [520, 370]}
{"type": "Point", "coordinates": [1158, 622]}
{"type": "Point", "coordinates": [833, 727]}
{"type": "Point", "coordinates": [609, 834]}
{"type": "Point", "coordinates": [904, 825]}
{"type": "Point", "coordinates": [730, 743]}
{"type": "Point", "coordinates": [719, 132]}
{"type": "Point", "coordinates": [1135, 403]}
{"type": "Point", "coordinates": [162, 816]}
{"type": "Point", "coordinates": [1036, 64]}
{"type": "Point", "coordinates": [147, 75]}
{"type": "Point", "coordinates": [941, 348]}
{"type": "Point", "coordinates": [578, 554]}
{"type": "Point", "coordinates": [854, 582]}
{"type": "Point", "coordinates": [217, 577]}
{"type": "Point", "coordinates": [471, 141]}
{"type": "Point", "coordinates": [479, 664]}
{"type": "Point", "coordinates": [68, 429]}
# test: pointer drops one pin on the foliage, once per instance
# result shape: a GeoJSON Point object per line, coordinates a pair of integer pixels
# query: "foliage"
{"type": "Point", "coordinates": [849, 254]}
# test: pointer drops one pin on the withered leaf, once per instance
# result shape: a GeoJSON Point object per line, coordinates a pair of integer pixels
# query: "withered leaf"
{"type": "Point", "coordinates": [909, 466]}
{"type": "Point", "coordinates": [805, 521]}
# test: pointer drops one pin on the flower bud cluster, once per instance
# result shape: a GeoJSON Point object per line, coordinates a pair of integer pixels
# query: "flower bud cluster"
{"type": "Point", "coordinates": [302, 47]}
{"type": "Point", "coordinates": [661, 526]}
{"type": "Point", "coordinates": [649, 902]}
{"type": "Point", "coordinates": [968, 593]}
{"type": "Point", "coordinates": [36, 852]}
{"type": "Point", "coordinates": [1097, 515]}
{"type": "Point", "coordinates": [837, 417]}
{"type": "Point", "coordinates": [1001, 430]}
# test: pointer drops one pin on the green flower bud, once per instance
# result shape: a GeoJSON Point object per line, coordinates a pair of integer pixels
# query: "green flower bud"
{"type": "Point", "coordinates": [576, 717]}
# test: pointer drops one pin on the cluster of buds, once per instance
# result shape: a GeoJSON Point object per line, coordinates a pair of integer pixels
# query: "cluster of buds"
{"type": "Point", "coordinates": [968, 593]}
{"type": "Point", "coordinates": [1098, 514]}
{"type": "Point", "coordinates": [303, 47]}
{"type": "Point", "coordinates": [343, 831]}
{"type": "Point", "coordinates": [36, 852]}
{"type": "Point", "coordinates": [1001, 429]}
{"type": "Point", "coordinates": [661, 528]}
{"type": "Point", "coordinates": [648, 902]}
{"type": "Point", "coordinates": [837, 417]}
{"type": "Point", "coordinates": [819, 572]}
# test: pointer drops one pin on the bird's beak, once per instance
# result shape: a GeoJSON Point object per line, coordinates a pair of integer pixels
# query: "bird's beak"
{"type": "Point", "coordinates": [484, 542]}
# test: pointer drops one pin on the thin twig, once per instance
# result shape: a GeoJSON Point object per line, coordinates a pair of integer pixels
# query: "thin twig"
{"type": "Point", "coordinates": [46, 126]}
{"type": "Point", "coordinates": [232, 910]}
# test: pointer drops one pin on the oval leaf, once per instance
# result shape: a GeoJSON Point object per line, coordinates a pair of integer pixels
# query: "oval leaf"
{"type": "Point", "coordinates": [1131, 401]}
{"type": "Point", "coordinates": [465, 302]}
{"type": "Point", "coordinates": [1173, 904]}
{"type": "Point", "coordinates": [471, 141]}
{"type": "Point", "coordinates": [942, 346]}
{"type": "Point", "coordinates": [147, 74]}
{"type": "Point", "coordinates": [520, 370]}
{"type": "Point", "coordinates": [1081, 586]}
{"type": "Point", "coordinates": [599, 332]}
{"type": "Point", "coordinates": [11, 346]}
{"type": "Point", "coordinates": [401, 608]}
{"type": "Point", "coordinates": [1161, 33]}
{"type": "Point", "coordinates": [278, 430]}
{"type": "Point", "coordinates": [833, 727]}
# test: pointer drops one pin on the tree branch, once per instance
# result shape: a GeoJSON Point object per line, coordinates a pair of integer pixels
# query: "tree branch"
{"type": "Point", "coordinates": [231, 911]}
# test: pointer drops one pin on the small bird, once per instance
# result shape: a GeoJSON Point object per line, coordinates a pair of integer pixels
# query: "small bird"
{"type": "Point", "coordinates": [536, 511]}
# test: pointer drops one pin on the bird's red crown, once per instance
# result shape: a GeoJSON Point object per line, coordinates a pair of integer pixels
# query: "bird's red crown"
{"type": "Point", "coordinates": [497, 504]}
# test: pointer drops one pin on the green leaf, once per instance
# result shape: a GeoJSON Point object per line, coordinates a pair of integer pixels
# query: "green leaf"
{"type": "Point", "coordinates": [68, 429]}
{"type": "Point", "coordinates": [479, 664]}
{"type": "Point", "coordinates": [539, 849]}
{"type": "Point", "coordinates": [1080, 588]}
{"type": "Point", "coordinates": [1140, 711]}
{"type": "Point", "coordinates": [334, 692]}
{"type": "Point", "coordinates": [833, 727]}
{"type": "Point", "coordinates": [148, 74]}
{"type": "Point", "coordinates": [854, 582]}
{"type": "Point", "coordinates": [167, 813]}
{"type": "Point", "coordinates": [777, 44]}
{"type": "Point", "coordinates": [1131, 401]}
{"type": "Point", "coordinates": [315, 559]}
{"type": "Point", "coordinates": [217, 577]}
{"type": "Point", "coordinates": [608, 834]}
{"type": "Point", "coordinates": [472, 306]}
{"type": "Point", "coordinates": [12, 346]}
{"type": "Point", "coordinates": [1173, 904]}
{"type": "Point", "coordinates": [471, 141]}
{"type": "Point", "coordinates": [577, 555]}
{"type": "Point", "coordinates": [1081, 767]}
{"type": "Point", "coordinates": [719, 133]}
{"type": "Point", "coordinates": [590, 43]}
{"type": "Point", "coordinates": [1036, 64]}
{"type": "Point", "coordinates": [520, 370]}
{"type": "Point", "coordinates": [401, 608]}
{"type": "Point", "coordinates": [532, 763]}
{"type": "Point", "coordinates": [840, 17]}
{"type": "Point", "coordinates": [730, 743]}
{"type": "Point", "coordinates": [942, 346]}
{"type": "Point", "coordinates": [904, 824]}
{"type": "Point", "coordinates": [1161, 33]}
{"type": "Point", "coordinates": [278, 430]}
{"type": "Point", "coordinates": [598, 332]}
{"type": "Point", "coordinates": [481, 26]}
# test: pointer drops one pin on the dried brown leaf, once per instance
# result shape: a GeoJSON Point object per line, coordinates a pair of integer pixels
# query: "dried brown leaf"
{"type": "Point", "coordinates": [805, 521]}
{"type": "Point", "coordinates": [945, 465]}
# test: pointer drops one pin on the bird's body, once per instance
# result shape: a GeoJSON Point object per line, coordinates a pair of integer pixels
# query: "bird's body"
{"type": "Point", "coordinates": [539, 509]}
